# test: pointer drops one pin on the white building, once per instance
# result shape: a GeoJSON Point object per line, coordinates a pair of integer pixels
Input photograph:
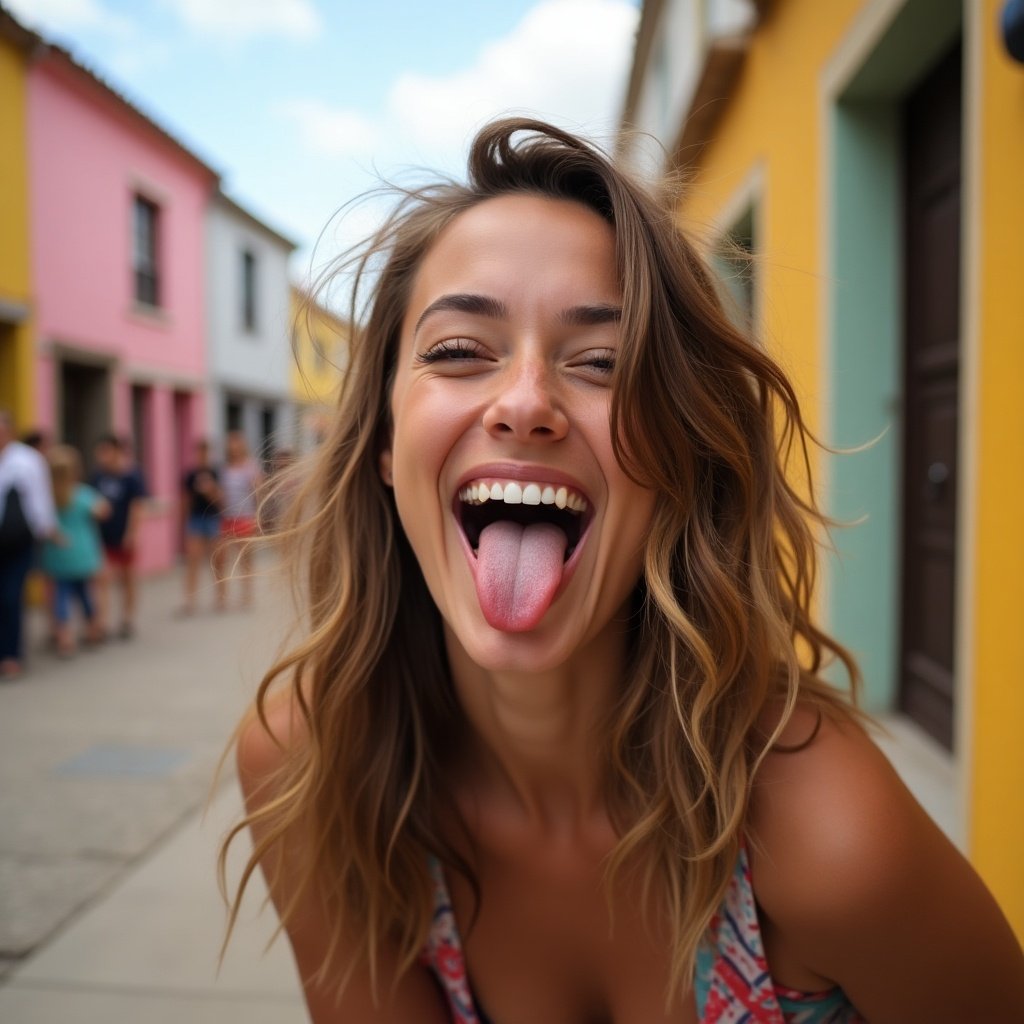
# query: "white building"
{"type": "Point", "coordinates": [687, 54]}
{"type": "Point", "coordinates": [249, 330]}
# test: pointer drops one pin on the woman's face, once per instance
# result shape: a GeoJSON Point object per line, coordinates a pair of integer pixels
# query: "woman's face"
{"type": "Point", "coordinates": [528, 532]}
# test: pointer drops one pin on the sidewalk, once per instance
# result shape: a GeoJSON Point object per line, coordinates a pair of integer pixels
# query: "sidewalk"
{"type": "Point", "coordinates": [109, 909]}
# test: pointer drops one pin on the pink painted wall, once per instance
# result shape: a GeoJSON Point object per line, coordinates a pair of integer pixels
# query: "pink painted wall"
{"type": "Point", "coordinates": [88, 156]}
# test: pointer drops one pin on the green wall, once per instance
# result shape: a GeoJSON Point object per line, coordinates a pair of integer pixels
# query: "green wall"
{"type": "Point", "coordinates": [864, 390]}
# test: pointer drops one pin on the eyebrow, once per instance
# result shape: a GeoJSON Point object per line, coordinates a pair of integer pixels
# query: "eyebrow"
{"type": "Point", "coordinates": [495, 309]}
{"type": "Point", "coordinates": [478, 305]}
{"type": "Point", "coordinates": [590, 316]}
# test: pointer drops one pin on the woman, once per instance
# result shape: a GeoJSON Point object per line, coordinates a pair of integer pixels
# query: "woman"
{"type": "Point", "coordinates": [240, 480]}
{"type": "Point", "coordinates": [201, 506]}
{"type": "Point", "coordinates": [549, 752]}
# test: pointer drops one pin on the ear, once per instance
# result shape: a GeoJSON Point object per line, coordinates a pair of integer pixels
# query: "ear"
{"type": "Point", "coordinates": [384, 466]}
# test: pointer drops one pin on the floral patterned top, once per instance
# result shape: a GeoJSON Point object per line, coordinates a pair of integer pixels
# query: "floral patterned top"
{"type": "Point", "coordinates": [733, 984]}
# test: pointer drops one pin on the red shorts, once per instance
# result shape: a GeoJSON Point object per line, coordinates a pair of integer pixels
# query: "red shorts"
{"type": "Point", "coordinates": [237, 527]}
{"type": "Point", "coordinates": [120, 556]}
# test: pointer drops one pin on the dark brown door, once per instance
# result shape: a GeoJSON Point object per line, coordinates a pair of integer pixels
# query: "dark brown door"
{"type": "Point", "coordinates": [931, 397]}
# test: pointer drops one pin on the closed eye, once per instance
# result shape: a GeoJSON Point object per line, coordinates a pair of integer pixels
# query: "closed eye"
{"type": "Point", "coordinates": [601, 362]}
{"type": "Point", "coordinates": [452, 350]}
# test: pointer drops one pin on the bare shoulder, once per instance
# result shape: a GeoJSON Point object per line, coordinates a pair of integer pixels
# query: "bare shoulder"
{"type": "Point", "coordinates": [828, 796]}
{"type": "Point", "coordinates": [866, 889]}
{"type": "Point", "coordinates": [265, 747]}
{"type": "Point", "coordinates": [266, 742]}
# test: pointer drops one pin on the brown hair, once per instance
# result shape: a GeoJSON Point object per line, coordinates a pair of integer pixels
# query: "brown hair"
{"type": "Point", "coordinates": [65, 471]}
{"type": "Point", "coordinates": [724, 601]}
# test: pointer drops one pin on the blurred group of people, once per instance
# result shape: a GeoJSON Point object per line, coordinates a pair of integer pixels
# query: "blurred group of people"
{"type": "Point", "coordinates": [220, 507]}
{"type": "Point", "coordinates": [82, 534]}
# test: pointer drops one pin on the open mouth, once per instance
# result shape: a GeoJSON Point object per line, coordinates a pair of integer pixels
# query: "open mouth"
{"type": "Point", "coordinates": [484, 502]}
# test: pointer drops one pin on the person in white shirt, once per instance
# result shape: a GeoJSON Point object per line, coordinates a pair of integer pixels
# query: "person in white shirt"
{"type": "Point", "coordinates": [26, 516]}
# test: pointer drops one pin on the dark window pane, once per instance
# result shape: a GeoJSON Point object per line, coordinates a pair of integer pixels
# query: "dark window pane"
{"type": "Point", "coordinates": [145, 217]}
{"type": "Point", "coordinates": [248, 291]}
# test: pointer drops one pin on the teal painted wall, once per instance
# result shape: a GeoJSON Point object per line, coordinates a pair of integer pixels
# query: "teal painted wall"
{"type": "Point", "coordinates": [864, 390]}
{"type": "Point", "coordinates": [866, 339]}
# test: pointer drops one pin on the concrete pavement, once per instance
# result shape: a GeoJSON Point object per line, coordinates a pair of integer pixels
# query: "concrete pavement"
{"type": "Point", "coordinates": [109, 909]}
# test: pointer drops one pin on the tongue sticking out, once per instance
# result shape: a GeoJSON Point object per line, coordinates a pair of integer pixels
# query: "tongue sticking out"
{"type": "Point", "coordinates": [518, 571]}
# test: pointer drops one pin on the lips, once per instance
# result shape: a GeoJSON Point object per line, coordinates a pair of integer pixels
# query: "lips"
{"type": "Point", "coordinates": [484, 501]}
{"type": "Point", "coordinates": [522, 536]}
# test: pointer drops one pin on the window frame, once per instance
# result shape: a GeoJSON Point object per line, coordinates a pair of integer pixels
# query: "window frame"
{"type": "Point", "coordinates": [249, 267]}
{"type": "Point", "coordinates": [145, 262]}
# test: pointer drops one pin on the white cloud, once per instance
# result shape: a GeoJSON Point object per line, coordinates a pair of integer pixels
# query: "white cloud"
{"type": "Point", "coordinates": [63, 17]}
{"type": "Point", "coordinates": [566, 61]}
{"type": "Point", "coordinates": [240, 19]}
{"type": "Point", "coordinates": [328, 131]}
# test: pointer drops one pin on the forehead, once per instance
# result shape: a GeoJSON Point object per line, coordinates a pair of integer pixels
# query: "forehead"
{"type": "Point", "coordinates": [523, 249]}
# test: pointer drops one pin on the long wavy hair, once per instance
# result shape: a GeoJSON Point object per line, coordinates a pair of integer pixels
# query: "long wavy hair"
{"type": "Point", "coordinates": [724, 633]}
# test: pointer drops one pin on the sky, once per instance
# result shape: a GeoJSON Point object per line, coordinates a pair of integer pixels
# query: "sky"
{"type": "Point", "coordinates": [303, 105]}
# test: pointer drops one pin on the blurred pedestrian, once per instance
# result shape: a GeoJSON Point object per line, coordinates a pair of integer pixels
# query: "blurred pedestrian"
{"type": "Point", "coordinates": [73, 556]}
{"type": "Point", "coordinates": [121, 483]}
{"type": "Point", "coordinates": [201, 509]}
{"type": "Point", "coordinates": [240, 480]}
{"type": "Point", "coordinates": [41, 440]}
{"type": "Point", "coordinates": [26, 516]}
{"type": "Point", "coordinates": [38, 439]}
{"type": "Point", "coordinates": [278, 488]}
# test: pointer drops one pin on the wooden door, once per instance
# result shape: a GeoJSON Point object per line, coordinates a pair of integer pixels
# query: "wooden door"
{"type": "Point", "coordinates": [932, 132]}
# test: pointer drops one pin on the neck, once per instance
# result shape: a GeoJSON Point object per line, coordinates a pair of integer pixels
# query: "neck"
{"type": "Point", "coordinates": [538, 738]}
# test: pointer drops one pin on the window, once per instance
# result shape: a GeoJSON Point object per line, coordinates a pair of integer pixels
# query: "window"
{"type": "Point", "coordinates": [736, 264]}
{"type": "Point", "coordinates": [145, 217]}
{"type": "Point", "coordinates": [320, 354]}
{"type": "Point", "coordinates": [233, 414]}
{"type": "Point", "coordinates": [248, 291]}
{"type": "Point", "coordinates": [268, 423]}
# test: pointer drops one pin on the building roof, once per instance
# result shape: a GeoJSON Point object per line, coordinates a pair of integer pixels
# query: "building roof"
{"type": "Point", "coordinates": [40, 49]}
{"type": "Point", "coordinates": [226, 201]}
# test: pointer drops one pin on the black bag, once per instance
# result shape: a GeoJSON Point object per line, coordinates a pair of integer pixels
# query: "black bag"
{"type": "Point", "coordinates": [15, 533]}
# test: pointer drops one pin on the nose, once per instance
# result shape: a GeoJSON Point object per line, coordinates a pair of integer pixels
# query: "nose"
{"type": "Point", "coordinates": [525, 406]}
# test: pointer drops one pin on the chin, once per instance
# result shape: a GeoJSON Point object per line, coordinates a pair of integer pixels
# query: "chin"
{"type": "Point", "coordinates": [551, 645]}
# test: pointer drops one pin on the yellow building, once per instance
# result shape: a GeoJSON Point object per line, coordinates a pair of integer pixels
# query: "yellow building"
{"type": "Point", "coordinates": [320, 351]}
{"type": "Point", "coordinates": [16, 383]}
{"type": "Point", "coordinates": [870, 153]}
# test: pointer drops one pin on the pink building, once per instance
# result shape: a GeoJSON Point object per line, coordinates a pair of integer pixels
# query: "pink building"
{"type": "Point", "coordinates": [117, 233]}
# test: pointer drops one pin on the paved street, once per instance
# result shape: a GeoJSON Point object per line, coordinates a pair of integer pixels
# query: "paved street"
{"type": "Point", "coordinates": [109, 909]}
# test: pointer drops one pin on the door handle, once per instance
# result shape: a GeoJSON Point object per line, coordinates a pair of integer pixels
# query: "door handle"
{"type": "Point", "coordinates": [938, 477]}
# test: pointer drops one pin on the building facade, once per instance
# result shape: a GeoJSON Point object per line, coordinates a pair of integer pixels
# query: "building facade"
{"type": "Point", "coordinates": [248, 311]}
{"type": "Point", "coordinates": [867, 152]}
{"type": "Point", "coordinates": [117, 213]}
{"type": "Point", "coordinates": [320, 358]}
{"type": "Point", "coordinates": [16, 350]}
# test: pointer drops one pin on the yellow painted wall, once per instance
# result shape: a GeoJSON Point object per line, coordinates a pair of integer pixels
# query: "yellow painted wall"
{"type": "Point", "coordinates": [773, 118]}
{"type": "Point", "coordinates": [16, 389]}
{"type": "Point", "coordinates": [320, 355]}
{"type": "Point", "coordinates": [997, 782]}
{"type": "Point", "coordinates": [780, 74]}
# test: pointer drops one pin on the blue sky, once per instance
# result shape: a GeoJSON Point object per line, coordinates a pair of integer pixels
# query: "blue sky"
{"type": "Point", "coordinates": [302, 104]}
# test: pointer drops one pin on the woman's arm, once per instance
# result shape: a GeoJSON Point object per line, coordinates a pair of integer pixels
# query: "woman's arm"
{"type": "Point", "coordinates": [859, 886]}
{"type": "Point", "coordinates": [100, 507]}
{"type": "Point", "coordinates": [416, 997]}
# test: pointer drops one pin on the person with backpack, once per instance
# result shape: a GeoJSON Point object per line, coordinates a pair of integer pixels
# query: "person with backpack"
{"type": "Point", "coordinates": [27, 515]}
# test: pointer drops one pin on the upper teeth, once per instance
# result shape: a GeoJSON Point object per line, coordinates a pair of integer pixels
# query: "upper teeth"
{"type": "Point", "coordinates": [517, 493]}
